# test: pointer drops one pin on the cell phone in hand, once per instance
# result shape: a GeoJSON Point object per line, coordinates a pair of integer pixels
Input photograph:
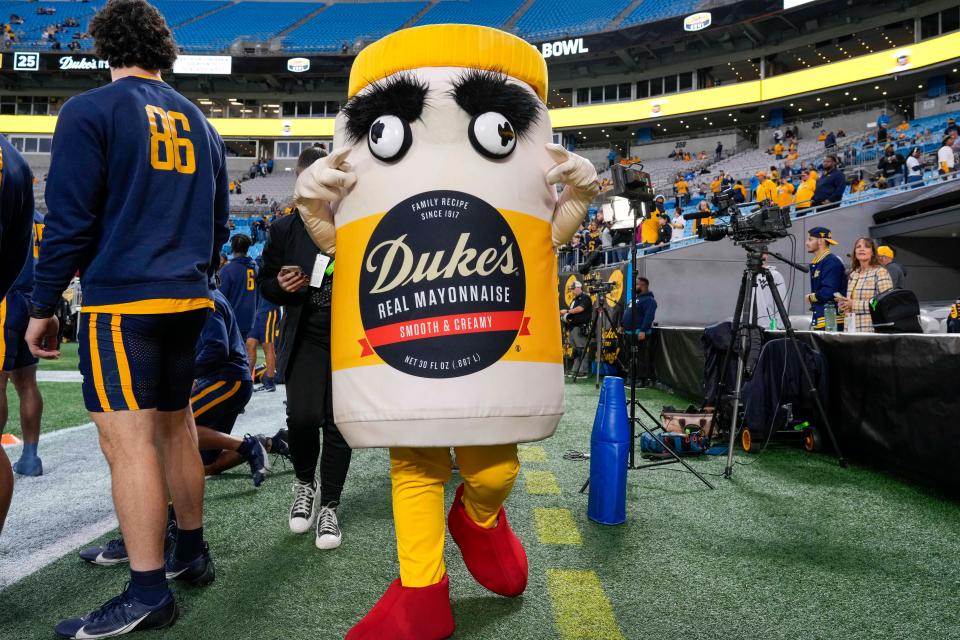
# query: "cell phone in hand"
{"type": "Point", "coordinates": [293, 268]}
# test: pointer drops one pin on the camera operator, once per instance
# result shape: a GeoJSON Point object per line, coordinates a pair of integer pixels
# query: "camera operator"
{"type": "Point", "coordinates": [637, 324]}
{"type": "Point", "coordinates": [576, 317]}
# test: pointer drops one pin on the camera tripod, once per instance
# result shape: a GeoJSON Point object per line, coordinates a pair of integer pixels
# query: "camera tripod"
{"type": "Point", "coordinates": [638, 206]}
{"type": "Point", "coordinates": [743, 322]}
{"type": "Point", "coordinates": [594, 333]}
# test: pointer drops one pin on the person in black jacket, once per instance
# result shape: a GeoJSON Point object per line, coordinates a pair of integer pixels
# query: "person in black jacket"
{"type": "Point", "coordinates": [891, 166]}
{"type": "Point", "coordinates": [298, 276]}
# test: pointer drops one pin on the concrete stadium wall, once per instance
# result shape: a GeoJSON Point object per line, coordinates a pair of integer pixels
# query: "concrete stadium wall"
{"type": "Point", "coordinates": [660, 150]}
{"type": "Point", "coordinates": [935, 106]}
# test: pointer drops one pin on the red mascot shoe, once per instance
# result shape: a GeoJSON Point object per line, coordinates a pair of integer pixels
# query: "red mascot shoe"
{"type": "Point", "coordinates": [495, 557]}
{"type": "Point", "coordinates": [407, 613]}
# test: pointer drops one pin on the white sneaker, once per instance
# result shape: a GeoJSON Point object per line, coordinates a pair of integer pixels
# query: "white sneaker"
{"type": "Point", "coordinates": [303, 513]}
{"type": "Point", "coordinates": [329, 535]}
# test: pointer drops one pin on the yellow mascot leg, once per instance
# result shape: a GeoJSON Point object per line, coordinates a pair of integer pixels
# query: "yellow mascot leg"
{"type": "Point", "coordinates": [418, 476]}
{"type": "Point", "coordinates": [488, 476]}
{"type": "Point", "coordinates": [493, 554]}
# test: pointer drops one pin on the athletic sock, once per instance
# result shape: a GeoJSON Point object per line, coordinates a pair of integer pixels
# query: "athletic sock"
{"type": "Point", "coordinates": [189, 544]}
{"type": "Point", "coordinates": [29, 450]}
{"type": "Point", "coordinates": [149, 587]}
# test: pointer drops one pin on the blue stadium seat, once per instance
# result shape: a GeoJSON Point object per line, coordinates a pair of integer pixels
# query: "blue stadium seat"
{"type": "Point", "coordinates": [346, 23]}
{"type": "Point", "coordinates": [549, 18]}
{"type": "Point", "coordinates": [653, 10]}
{"type": "Point", "coordinates": [257, 21]}
{"type": "Point", "coordinates": [489, 13]}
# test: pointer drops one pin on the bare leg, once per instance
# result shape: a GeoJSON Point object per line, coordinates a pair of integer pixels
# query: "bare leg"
{"type": "Point", "coordinates": [129, 442]}
{"type": "Point", "coordinates": [176, 444]}
{"type": "Point", "coordinates": [228, 458]}
{"type": "Point", "coordinates": [252, 354]}
{"type": "Point", "coordinates": [6, 485]}
{"type": "Point", "coordinates": [31, 402]}
{"type": "Point", "coordinates": [270, 360]}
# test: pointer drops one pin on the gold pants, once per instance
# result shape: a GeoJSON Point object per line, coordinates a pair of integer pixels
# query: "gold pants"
{"type": "Point", "coordinates": [418, 476]}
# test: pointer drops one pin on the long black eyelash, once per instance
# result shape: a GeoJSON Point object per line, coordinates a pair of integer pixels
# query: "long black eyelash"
{"type": "Point", "coordinates": [402, 95]}
{"type": "Point", "coordinates": [478, 91]}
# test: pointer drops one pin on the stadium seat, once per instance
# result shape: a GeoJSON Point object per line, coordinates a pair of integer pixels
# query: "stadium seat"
{"type": "Point", "coordinates": [548, 18]}
{"type": "Point", "coordinates": [346, 23]}
{"type": "Point", "coordinates": [254, 21]}
{"type": "Point", "coordinates": [653, 10]}
{"type": "Point", "coordinates": [490, 13]}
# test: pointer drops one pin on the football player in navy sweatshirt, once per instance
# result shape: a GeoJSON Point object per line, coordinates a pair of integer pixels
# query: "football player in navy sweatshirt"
{"type": "Point", "coordinates": [137, 195]}
{"type": "Point", "coordinates": [238, 283]}
{"type": "Point", "coordinates": [16, 217]}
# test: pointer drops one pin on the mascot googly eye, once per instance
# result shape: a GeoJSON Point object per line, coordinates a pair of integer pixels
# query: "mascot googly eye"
{"type": "Point", "coordinates": [492, 135]}
{"type": "Point", "coordinates": [389, 138]}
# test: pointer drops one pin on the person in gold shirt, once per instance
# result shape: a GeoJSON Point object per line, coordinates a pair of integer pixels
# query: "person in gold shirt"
{"type": "Point", "coordinates": [703, 207]}
{"type": "Point", "coordinates": [778, 150]}
{"type": "Point", "coordinates": [808, 185]}
{"type": "Point", "coordinates": [716, 185]}
{"type": "Point", "coordinates": [784, 193]}
{"type": "Point", "coordinates": [858, 184]}
{"type": "Point", "coordinates": [650, 227]}
{"type": "Point", "coordinates": [767, 189]}
{"type": "Point", "coordinates": [682, 190]}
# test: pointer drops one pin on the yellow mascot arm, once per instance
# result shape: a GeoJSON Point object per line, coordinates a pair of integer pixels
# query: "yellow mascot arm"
{"type": "Point", "coordinates": [324, 182]}
{"type": "Point", "coordinates": [580, 178]}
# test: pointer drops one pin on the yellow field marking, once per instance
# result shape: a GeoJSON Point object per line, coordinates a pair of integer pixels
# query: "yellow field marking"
{"type": "Point", "coordinates": [541, 483]}
{"type": "Point", "coordinates": [580, 607]}
{"type": "Point", "coordinates": [556, 526]}
{"type": "Point", "coordinates": [532, 454]}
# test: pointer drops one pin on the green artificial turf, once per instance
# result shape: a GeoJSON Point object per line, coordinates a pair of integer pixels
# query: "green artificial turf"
{"type": "Point", "coordinates": [792, 547]}
{"type": "Point", "coordinates": [69, 358]}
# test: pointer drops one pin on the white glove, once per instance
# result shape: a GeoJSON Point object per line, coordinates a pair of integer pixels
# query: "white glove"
{"type": "Point", "coordinates": [323, 183]}
{"type": "Point", "coordinates": [580, 178]}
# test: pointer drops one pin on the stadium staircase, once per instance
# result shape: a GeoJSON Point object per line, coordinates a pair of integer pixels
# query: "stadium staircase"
{"type": "Point", "coordinates": [307, 18]}
{"type": "Point", "coordinates": [510, 24]}
{"type": "Point", "coordinates": [620, 17]}
{"type": "Point", "coordinates": [419, 14]}
{"type": "Point", "coordinates": [205, 14]}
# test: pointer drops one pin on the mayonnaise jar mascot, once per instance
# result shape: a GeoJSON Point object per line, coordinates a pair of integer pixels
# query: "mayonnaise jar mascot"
{"type": "Point", "coordinates": [445, 322]}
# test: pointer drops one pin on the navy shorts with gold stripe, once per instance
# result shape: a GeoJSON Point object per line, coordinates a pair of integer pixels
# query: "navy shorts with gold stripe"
{"type": "Point", "coordinates": [266, 327]}
{"type": "Point", "coordinates": [216, 404]}
{"type": "Point", "coordinates": [14, 318]}
{"type": "Point", "coordinates": [131, 362]}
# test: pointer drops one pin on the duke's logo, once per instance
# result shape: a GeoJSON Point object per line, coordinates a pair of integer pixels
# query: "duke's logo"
{"type": "Point", "coordinates": [442, 286]}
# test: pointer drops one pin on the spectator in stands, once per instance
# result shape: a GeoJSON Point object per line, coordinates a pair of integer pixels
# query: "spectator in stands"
{"type": "Point", "coordinates": [883, 119]}
{"type": "Point", "coordinates": [718, 152]}
{"type": "Point", "coordinates": [882, 134]}
{"type": "Point", "coordinates": [897, 273]}
{"type": "Point", "coordinates": [269, 166]}
{"type": "Point", "coordinates": [868, 279]}
{"type": "Point", "coordinates": [686, 156]}
{"type": "Point", "coordinates": [702, 155]}
{"type": "Point", "coordinates": [766, 189]}
{"type": "Point", "coordinates": [611, 156]}
{"type": "Point", "coordinates": [831, 185]}
{"type": "Point", "coordinates": [702, 208]}
{"type": "Point", "coordinates": [858, 184]}
{"type": "Point", "coordinates": [784, 192]}
{"type": "Point", "coordinates": [726, 181]}
{"type": "Point", "coordinates": [649, 231]}
{"type": "Point", "coordinates": [804, 195]}
{"type": "Point", "coordinates": [682, 190]}
{"type": "Point", "coordinates": [891, 166]}
{"type": "Point", "coordinates": [915, 167]}
{"type": "Point", "coordinates": [823, 136]}
{"type": "Point", "coordinates": [664, 232]}
{"type": "Point", "coordinates": [841, 133]}
{"type": "Point", "coordinates": [254, 168]}
{"type": "Point", "coordinates": [778, 150]}
{"type": "Point", "coordinates": [716, 185]}
{"type": "Point", "coordinates": [951, 127]}
{"type": "Point", "coordinates": [830, 141]}
{"type": "Point", "coordinates": [637, 323]}
{"type": "Point", "coordinates": [826, 275]}
{"type": "Point", "coordinates": [777, 136]}
{"type": "Point", "coordinates": [739, 192]}
{"type": "Point", "coordinates": [677, 226]}
{"type": "Point", "coordinates": [945, 156]}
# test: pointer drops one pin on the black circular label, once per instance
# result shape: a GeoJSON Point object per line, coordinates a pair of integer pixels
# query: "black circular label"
{"type": "Point", "coordinates": [442, 286]}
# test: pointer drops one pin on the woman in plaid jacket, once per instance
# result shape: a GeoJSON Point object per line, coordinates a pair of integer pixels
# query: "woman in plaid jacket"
{"type": "Point", "coordinates": [868, 279]}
